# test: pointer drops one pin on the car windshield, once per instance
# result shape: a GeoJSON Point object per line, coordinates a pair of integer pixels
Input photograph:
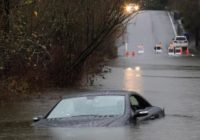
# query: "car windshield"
{"type": "Point", "coordinates": [181, 38]}
{"type": "Point", "coordinates": [89, 106]}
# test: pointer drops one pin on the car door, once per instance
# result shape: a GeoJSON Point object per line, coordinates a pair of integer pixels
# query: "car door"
{"type": "Point", "coordinates": [138, 103]}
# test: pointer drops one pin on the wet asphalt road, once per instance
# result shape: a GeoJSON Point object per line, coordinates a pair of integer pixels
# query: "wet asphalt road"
{"type": "Point", "coordinates": [166, 81]}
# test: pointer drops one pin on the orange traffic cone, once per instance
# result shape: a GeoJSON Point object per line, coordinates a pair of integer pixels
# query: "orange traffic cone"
{"type": "Point", "coordinates": [187, 51]}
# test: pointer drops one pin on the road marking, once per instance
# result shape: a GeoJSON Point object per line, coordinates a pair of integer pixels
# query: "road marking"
{"type": "Point", "coordinates": [174, 29]}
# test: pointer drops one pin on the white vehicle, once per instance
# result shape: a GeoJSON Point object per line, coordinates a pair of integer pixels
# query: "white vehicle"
{"type": "Point", "coordinates": [180, 41]}
{"type": "Point", "coordinates": [158, 48]}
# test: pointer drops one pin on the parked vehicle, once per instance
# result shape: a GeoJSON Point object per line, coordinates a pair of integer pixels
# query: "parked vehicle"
{"type": "Point", "coordinates": [180, 41]}
{"type": "Point", "coordinates": [179, 46]}
{"type": "Point", "coordinates": [99, 108]}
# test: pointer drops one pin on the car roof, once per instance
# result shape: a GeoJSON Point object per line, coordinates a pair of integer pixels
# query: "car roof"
{"type": "Point", "coordinates": [181, 37]}
{"type": "Point", "coordinates": [100, 93]}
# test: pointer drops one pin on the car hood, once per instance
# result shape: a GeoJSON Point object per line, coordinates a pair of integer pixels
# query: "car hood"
{"type": "Point", "coordinates": [103, 121]}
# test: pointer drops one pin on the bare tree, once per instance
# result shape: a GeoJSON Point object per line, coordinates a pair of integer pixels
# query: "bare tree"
{"type": "Point", "coordinates": [50, 42]}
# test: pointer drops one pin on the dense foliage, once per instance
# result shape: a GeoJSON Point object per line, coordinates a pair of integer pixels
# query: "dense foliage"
{"type": "Point", "coordinates": [55, 43]}
{"type": "Point", "coordinates": [153, 4]}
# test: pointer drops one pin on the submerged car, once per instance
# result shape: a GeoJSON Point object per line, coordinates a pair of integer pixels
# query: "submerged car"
{"type": "Point", "coordinates": [99, 109]}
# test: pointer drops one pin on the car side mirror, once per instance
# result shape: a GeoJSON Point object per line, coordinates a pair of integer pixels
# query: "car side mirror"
{"type": "Point", "coordinates": [36, 119]}
{"type": "Point", "coordinates": [141, 113]}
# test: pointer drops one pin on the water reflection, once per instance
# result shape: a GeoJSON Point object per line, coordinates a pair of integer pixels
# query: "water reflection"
{"type": "Point", "coordinates": [132, 79]}
{"type": "Point", "coordinates": [137, 68]}
{"type": "Point", "coordinates": [97, 133]}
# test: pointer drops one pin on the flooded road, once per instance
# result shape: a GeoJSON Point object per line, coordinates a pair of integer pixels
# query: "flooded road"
{"type": "Point", "coordinates": [169, 82]}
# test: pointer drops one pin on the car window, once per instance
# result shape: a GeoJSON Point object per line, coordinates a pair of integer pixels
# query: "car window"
{"type": "Point", "coordinates": [181, 38]}
{"type": "Point", "coordinates": [133, 101]}
{"type": "Point", "coordinates": [91, 105]}
{"type": "Point", "coordinates": [137, 102]}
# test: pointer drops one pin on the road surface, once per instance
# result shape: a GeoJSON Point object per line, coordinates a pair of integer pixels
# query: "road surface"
{"type": "Point", "coordinates": [169, 82]}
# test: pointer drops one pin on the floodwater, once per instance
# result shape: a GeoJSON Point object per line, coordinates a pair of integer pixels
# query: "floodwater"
{"type": "Point", "coordinates": [166, 81]}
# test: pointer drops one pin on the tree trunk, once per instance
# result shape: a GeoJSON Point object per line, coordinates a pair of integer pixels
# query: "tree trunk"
{"type": "Point", "coordinates": [6, 15]}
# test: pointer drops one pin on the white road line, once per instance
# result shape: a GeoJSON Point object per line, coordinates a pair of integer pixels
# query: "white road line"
{"type": "Point", "coordinates": [174, 29]}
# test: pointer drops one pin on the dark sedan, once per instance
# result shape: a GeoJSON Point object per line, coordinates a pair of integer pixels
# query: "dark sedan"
{"type": "Point", "coordinates": [99, 109]}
